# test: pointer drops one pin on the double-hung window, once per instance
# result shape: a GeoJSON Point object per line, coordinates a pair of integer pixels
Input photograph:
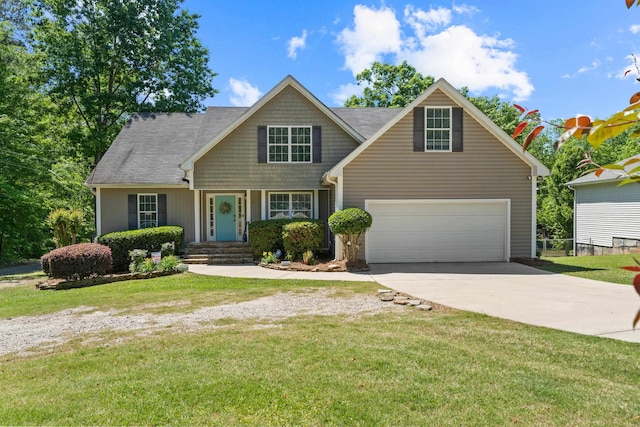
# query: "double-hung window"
{"type": "Point", "coordinates": [147, 210]}
{"type": "Point", "coordinates": [290, 205]}
{"type": "Point", "coordinates": [289, 144]}
{"type": "Point", "coordinates": [438, 129]}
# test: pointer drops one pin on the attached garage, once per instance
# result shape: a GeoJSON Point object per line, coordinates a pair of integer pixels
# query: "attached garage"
{"type": "Point", "coordinates": [438, 230]}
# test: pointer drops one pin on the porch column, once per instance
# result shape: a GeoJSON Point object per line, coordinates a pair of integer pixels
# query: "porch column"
{"type": "Point", "coordinates": [263, 205]}
{"type": "Point", "coordinates": [247, 205]}
{"type": "Point", "coordinates": [196, 209]}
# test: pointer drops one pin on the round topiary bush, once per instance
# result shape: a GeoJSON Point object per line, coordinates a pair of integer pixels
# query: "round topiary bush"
{"type": "Point", "coordinates": [349, 224]}
{"type": "Point", "coordinates": [79, 261]}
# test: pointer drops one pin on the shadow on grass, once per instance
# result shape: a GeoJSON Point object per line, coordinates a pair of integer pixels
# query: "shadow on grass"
{"type": "Point", "coordinates": [557, 267]}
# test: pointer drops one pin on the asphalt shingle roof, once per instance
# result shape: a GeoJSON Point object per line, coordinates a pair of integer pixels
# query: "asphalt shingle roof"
{"type": "Point", "coordinates": [151, 146]}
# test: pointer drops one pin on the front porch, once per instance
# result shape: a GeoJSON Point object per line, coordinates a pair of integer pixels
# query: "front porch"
{"type": "Point", "coordinates": [218, 253]}
{"type": "Point", "coordinates": [223, 215]}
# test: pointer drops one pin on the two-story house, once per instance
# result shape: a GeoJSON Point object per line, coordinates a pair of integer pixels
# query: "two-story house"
{"type": "Point", "coordinates": [442, 182]}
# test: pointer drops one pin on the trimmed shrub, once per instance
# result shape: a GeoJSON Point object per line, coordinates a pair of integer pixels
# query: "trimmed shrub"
{"type": "Point", "coordinates": [299, 237]}
{"type": "Point", "coordinates": [266, 235]}
{"type": "Point", "coordinates": [349, 224]}
{"type": "Point", "coordinates": [151, 239]}
{"type": "Point", "coordinates": [79, 261]}
{"type": "Point", "coordinates": [44, 262]}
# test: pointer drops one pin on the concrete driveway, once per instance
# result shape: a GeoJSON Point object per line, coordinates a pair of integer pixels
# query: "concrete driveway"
{"type": "Point", "coordinates": [521, 293]}
{"type": "Point", "coordinates": [507, 290]}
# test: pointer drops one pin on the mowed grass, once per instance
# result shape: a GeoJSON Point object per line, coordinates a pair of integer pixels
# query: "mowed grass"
{"type": "Point", "coordinates": [601, 267]}
{"type": "Point", "coordinates": [444, 367]}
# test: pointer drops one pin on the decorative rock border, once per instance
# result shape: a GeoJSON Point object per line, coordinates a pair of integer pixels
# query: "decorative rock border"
{"type": "Point", "coordinates": [60, 284]}
{"type": "Point", "coordinates": [325, 268]}
{"type": "Point", "coordinates": [399, 298]}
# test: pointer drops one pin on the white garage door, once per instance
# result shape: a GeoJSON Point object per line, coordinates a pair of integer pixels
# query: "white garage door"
{"type": "Point", "coordinates": [437, 231]}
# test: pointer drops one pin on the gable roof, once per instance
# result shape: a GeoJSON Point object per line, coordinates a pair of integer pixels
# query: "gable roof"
{"type": "Point", "coordinates": [147, 151]}
{"type": "Point", "coordinates": [606, 176]}
{"type": "Point", "coordinates": [538, 168]}
{"type": "Point", "coordinates": [288, 81]}
{"type": "Point", "coordinates": [150, 147]}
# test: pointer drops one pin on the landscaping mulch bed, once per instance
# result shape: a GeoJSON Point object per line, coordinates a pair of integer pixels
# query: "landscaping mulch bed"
{"type": "Point", "coordinates": [60, 284]}
{"type": "Point", "coordinates": [322, 265]}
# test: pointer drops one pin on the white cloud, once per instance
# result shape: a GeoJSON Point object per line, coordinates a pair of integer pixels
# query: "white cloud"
{"type": "Point", "coordinates": [295, 44]}
{"type": "Point", "coordinates": [465, 58]}
{"type": "Point", "coordinates": [375, 32]}
{"type": "Point", "coordinates": [244, 94]}
{"type": "Point", "coordinates": [631, 66]}
{"type": "Point", "coordinates": [465, 9]}
{"type": "Point", "coordinates": [422, 21]}
{"type": "Point", "coordinates": [434, 46]}
{"type": "Point", "coordinates": [344, 92]}
{"type": "Point", "coordinates": [635, 29]}
{"type": "Point", "coordinates": [595, 64]}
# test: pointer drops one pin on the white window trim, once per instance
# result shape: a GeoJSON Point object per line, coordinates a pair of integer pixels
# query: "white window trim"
{"type": "Point", "coordinates": [289, 144]}
{"type": "Point", "coordinates": [138, 207]}
{"type": "Point", "coordinates": [426, 129]}
{"type": "Point", "coordinates": [290, 193]}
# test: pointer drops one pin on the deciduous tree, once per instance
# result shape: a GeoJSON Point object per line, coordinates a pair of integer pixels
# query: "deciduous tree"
{"type": "Point", "coordinates": [106, 59]}
{"type": "Point", "coordinates": [387, 85]}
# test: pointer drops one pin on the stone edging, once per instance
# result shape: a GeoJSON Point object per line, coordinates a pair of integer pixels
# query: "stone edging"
{"type": "Point", "coordinates": [56, 284]}
{"type": "Point", "coordinates": [399, 298]}
{"type": "Point", "coordinates": [331, 268]}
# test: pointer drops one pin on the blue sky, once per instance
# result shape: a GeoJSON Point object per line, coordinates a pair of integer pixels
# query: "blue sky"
{"type": "Point", "coordinates": [561, 57]}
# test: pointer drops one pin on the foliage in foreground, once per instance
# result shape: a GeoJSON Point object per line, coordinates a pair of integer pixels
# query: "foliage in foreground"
{"type": "Point", "coordinates": [410, 368]}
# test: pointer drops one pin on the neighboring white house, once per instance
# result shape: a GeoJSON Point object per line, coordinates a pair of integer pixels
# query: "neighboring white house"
{"type": "Point", "coordinates": [606, 216]}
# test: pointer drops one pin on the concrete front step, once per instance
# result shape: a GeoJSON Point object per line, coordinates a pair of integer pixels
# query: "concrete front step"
{"type": "Point", "coordinates": [217, 250]}
{"type": "Point", "coordinates": [218, 253]}
{"type": "Point", "coordinates": [216, 261]}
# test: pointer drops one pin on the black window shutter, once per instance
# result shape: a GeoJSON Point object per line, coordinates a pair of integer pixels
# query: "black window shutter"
{"type": "Point", "coordinates": [133, 211]}
{"type": "Point", "coordinates": [262, 144]}
{"type": "Point", "coordinates": [418, 129]}
{"type": "Point", "coordinates": [162, 210]}
{"type": "Point", "coordinates": [316, 138]}
{"type": "Point", "coordinates": [456, 122]}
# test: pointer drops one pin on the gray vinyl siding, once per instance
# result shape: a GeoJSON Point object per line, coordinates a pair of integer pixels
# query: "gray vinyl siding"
{"type": "Point", "coordinates": [234, 160]}
{"type": "Point", "coordinates": [605, 211]}
{"type": "Point", "coordinates": [113, 208]}
{"type": "Point", "coordinates": [256, 205]}
{"type": "Point", "coordinates": [486, 169]}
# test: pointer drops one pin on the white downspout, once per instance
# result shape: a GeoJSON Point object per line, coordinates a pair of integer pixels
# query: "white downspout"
{"type": "Point", "coordinates": [534, 214]}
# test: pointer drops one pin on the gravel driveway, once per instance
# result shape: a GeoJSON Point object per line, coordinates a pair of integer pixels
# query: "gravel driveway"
{"type": "Point", "coordinates": [30, 334]}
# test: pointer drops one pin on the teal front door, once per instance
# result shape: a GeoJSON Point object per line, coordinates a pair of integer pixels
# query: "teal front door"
{"type": "Point", "coordinates": [225, 218]}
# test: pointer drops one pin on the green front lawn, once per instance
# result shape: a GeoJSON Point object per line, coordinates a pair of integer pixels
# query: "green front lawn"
{"type": "Point", "coordinates": [443, 367]}
{"type": "Point", "coordinates": [603, 267]}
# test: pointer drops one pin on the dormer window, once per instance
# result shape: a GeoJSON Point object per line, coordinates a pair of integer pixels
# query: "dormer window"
{"type": "Point", "coordinates": [289, 144]}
